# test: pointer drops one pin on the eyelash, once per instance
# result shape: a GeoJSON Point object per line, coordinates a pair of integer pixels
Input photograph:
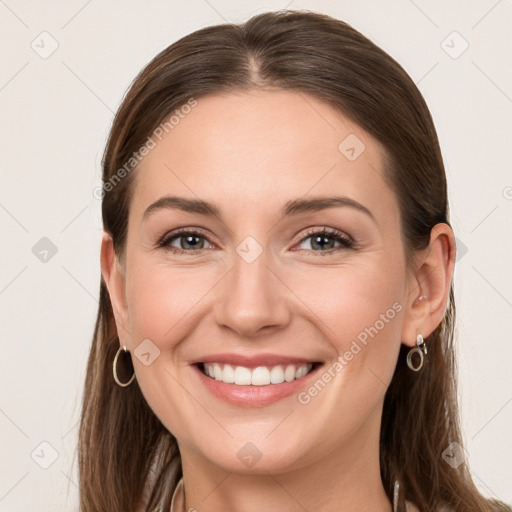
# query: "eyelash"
{"type": "Point", "coordinates": [338, 236]}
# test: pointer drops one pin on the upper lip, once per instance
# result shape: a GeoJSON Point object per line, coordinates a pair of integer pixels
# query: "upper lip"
{"type": "Point", "coordinates": [252, 360]}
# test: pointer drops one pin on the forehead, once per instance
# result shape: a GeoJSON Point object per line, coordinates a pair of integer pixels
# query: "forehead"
{"type": "Point", "coordinates": [259, 149]}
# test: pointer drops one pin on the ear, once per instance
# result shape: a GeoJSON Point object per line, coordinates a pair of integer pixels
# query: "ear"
{"type": "Point", "coordinates": [429, 286]}
{"type": "Point", "coordinates": [114, 277]}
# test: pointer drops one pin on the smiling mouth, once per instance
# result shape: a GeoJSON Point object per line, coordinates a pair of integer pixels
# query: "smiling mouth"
{"type": "Point", "coordinates": [258, 376]}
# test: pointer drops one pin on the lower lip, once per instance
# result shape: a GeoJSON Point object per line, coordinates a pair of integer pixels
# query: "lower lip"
{"type": "Point", "coordinates": [254, 396]}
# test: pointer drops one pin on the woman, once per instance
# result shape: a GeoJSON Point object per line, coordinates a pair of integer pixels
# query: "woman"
{"type": "Point", "coordinates": [233, 366]}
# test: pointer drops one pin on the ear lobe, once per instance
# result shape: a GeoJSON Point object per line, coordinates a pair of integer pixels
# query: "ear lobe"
{"type": "Point", "coordinates": [113, 276]}
{"type": "Point", "coordinates": [429, 288]}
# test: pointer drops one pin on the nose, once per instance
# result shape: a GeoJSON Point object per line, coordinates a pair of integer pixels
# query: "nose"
{"type": "Point", "coordinates": [253, 300]}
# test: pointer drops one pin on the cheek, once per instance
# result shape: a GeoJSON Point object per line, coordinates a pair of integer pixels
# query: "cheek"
{"type": "Point", "coordinates": [161, 300]}
{"type": "Point", "coordinates": [359, 309]}
{"type": "Point", "coordinates": [355, 302]}
{"type": "Point", "coordinates": [359, 301]}
{"type": "Point", "coordinates": [355, 308]}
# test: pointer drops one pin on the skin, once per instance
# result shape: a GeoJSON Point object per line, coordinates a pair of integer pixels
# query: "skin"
{"type": "Point", "coordinates": [249, 153]}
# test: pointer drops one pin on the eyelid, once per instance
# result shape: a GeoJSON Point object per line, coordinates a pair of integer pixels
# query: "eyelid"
{"type": "Point", "coordinates": [326, 230]}
{"type": "Point", "coordinates": [169, 235]}
{"type": "Point", "coordinates": [346, 241]}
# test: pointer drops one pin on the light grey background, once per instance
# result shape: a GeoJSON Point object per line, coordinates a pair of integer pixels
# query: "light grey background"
{"type": "Point", "coordinates": [56, 113]}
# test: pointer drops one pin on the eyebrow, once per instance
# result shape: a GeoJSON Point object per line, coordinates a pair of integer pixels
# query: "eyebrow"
{"type": "Point", "coordinates": [293, 207]}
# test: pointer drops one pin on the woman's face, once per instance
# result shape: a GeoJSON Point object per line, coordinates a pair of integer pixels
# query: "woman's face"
{"type": "Point", "coordinates": [252, 282]}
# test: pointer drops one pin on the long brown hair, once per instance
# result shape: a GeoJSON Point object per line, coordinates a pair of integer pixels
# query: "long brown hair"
{"type": "Point", "coordinates": [128, 460]}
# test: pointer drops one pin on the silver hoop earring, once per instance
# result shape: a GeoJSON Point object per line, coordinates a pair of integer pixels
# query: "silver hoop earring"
{"type": "Point", "coordinates": [114, 368]}
{"type": "Point", "coordinates": [421, 350]}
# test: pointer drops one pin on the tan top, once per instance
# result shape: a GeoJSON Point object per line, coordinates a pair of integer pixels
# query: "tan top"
{"type": "Point", "coordinates": [178, 500]}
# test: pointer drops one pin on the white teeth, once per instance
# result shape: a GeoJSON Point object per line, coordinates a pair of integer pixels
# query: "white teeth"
{"type": "Point", "coordinates": [260, 376]}
{"type": "Point", "coordinates": [301, 372]}
{"type": "Point", "coordinates": [277, 375]}
{"type": "Point", "coordinates": [228, 374]}
{"type": "Point", "coordinates": [217, 372]}
{"type": "Point", "coordinates": [289, 373]}
{"type": "Point", "coordinates": [242, 375]}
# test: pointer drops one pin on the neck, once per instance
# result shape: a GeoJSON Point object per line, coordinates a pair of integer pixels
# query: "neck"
{"type": "Point", "coordinates": [346, 479]}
